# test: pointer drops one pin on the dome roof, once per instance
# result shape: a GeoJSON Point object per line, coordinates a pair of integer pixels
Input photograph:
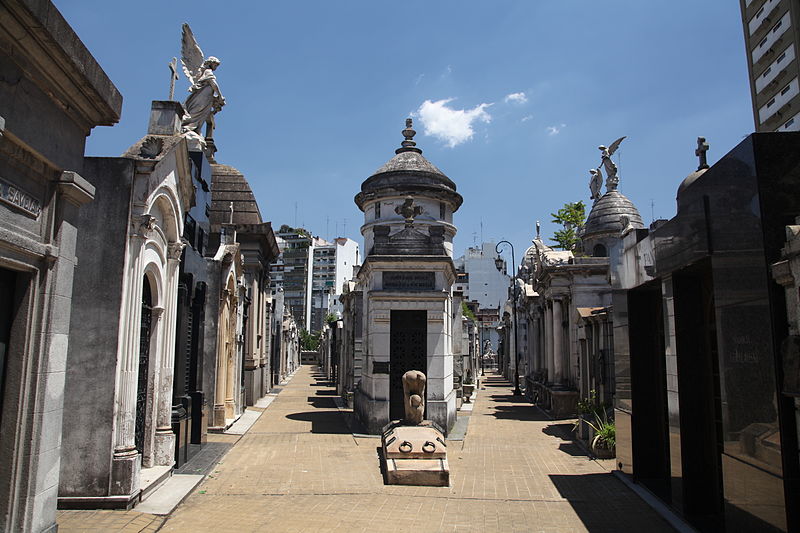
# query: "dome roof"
{"type": "Point", "coordinates": [606, 212]}
{"type": "Point", "coordinates": [408, 171]}
{"type": "Point", "coordinates": [229, 186]}
{"type": "Point", "coordinates": [688, 180]}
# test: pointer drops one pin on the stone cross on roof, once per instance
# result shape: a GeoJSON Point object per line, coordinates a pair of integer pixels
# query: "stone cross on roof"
{"type": "Point", "coordinates": [173, 76]}
{"type": "Point", "coordinates": [702, 148]}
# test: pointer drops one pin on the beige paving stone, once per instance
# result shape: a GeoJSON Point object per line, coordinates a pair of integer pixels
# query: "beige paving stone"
{"type": "Point", "coordinates": [298, 469]}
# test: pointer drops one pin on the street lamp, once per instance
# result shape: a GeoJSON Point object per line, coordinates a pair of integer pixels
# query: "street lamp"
{"type": "Point", "coordinates": [499, 264]}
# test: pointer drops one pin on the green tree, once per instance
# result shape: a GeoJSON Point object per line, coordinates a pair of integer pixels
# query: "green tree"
{"type": "Point", "coordinates": [467, 312]}
{"type": "Point", "coordinates": [309, 341]}
{"type": "Point", "coordinates": [571, 218]}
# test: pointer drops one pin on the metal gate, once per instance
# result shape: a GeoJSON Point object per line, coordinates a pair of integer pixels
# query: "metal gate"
{"type": "Point", "coordinates": [407, 351]}
{"type": "Point", "coordinates": [144, 363]}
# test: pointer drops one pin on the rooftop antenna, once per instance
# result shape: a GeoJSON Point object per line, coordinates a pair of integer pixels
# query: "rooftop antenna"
{"type": "Point", "coordinates": [295, 214]}
{"type": "Point", "coordinates": [652, 210]}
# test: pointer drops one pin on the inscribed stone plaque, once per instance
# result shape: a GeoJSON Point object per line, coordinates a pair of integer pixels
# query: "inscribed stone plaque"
{"type": "Point", "coordinates": [11, 194]}
{"type": "Point", "coordinates": [380, 367]}
{"type": "Point", "coordinates": [409, 281]}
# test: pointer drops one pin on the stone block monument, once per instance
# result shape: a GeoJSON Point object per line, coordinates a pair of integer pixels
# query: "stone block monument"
{"type": "Point", "coordinates": [413, 450]}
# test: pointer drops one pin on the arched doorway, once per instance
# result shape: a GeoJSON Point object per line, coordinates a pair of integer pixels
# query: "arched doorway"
{"type": "Point", "coordinates": [144, 363]}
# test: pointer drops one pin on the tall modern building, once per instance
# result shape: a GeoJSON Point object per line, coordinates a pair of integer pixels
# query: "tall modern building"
{"type": "Point", "coordinates": [311, 272]}
{"type": "Point", "coordinates": [292, 271]}
{"type": "Point", "coordinates": [772, 39]}
{"type": "Point", "coordinates": [332, 265]}
{"type": "Point", "coordinates": [481, 282]}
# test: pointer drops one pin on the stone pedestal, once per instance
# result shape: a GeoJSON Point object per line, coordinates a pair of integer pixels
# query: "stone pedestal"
{"type": "Point", "coordinates": [125, 469]}
{"type": "Point", "coordinates": [563, 403]}
{"type": "Point", "coordinates": [415, 455]}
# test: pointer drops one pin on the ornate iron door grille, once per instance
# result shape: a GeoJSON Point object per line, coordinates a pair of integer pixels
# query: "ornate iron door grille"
{"type": "Point", "coordinates": [407, 351]}
{"type": "Point", "coordinates": [144, 363]}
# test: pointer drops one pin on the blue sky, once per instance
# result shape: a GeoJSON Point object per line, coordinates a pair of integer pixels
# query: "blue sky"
{"type": "Point", "coordinates": [317, 93]}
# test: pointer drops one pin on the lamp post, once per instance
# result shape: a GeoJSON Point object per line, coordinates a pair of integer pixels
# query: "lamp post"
{"type": "Point", "coordinates": [499, 264]}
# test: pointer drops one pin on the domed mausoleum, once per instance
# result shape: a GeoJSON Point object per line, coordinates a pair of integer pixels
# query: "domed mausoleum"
{"type": "Point", "coordinates": [611, 213]}
{"type": "Point", "coordinates": [406, 285]}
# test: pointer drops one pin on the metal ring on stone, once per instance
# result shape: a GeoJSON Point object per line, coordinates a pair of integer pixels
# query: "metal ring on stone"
{"type": "Point", "coordinates": [428, 447]}
{"type": "Point", "coordinates": [405, 447]}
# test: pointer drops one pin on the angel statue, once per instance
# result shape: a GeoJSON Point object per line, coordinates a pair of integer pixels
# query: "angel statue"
{"type": "Point", "coordinates": [612, 180]}
{"type": "Point", "coordinates": [205, 98]}
{"type": "Point", "coordinates": [595, 183]}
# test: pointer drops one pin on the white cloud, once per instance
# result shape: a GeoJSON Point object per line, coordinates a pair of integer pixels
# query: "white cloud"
{"type": "Point", "coordinates": [517, 98]}
{"type": "Point", "coordinates": [555, 130]}
{"type": "Point", "coordinates": [526, 118]}
{"type": "Point", "coordinates": [453, 126]}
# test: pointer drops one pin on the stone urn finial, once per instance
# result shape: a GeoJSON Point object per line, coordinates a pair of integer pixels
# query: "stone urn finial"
{"type": "Point", "coordinates": [408, 144]}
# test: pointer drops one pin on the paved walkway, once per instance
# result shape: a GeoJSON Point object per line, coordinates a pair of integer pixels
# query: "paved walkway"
{"type": "Point", "coordinates": [299, 469]}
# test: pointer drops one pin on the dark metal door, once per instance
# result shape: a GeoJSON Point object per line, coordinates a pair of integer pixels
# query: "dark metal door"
{"type": "Point", "coordinates": [144, 363]}
{"type": "Point", "coordinates": [8, 281]}
{"type": "Point", "coordinates": [407, 351]}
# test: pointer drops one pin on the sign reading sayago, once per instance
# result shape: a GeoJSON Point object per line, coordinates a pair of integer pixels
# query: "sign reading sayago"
{"type": "Point", "coordinates": [409, 281]}
{"type": "Point", "coordinates": [11, 194]}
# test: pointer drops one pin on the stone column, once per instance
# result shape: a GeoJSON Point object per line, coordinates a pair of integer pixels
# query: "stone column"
{"type": "Point", "coordinates": [157, 331]}
{"type": "Point", "coordinates": [164, 449]}
{"type": "Point", "coordinates": [548, 341]}
{"type": "Point", "coordinates": [222, 354]}
{"type": "Point", "coordinates": [558, 348]}
{"type": "Point", "coordinates": [126, 465]}
{"type": "Point", "coordinates": [231, 355]}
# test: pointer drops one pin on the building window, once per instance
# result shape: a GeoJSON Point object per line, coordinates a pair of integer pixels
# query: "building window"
{"type": "Point", "coordinates": [781, 58]}
{"type": "Point", "coordinates": [770, 102]}
{"type": "Point", "coordinates": [377, 210]}
{"type": "Point", "coordinates": [766, 72]}
{"type": "Point", "coordinates": [788, 123]}
{"type": "Point", "coordinates": [442, 210]}
{"type": "Point", "coordinates": [785, 89]}
{"type": "Point", "coordinates": [599, 251]}
{"type": "Point", "coordinates": [778, 25]}
{"type": "Point", "coordinates": [763, 42]}
{"type": "Point", "coordinates": [189, 228]}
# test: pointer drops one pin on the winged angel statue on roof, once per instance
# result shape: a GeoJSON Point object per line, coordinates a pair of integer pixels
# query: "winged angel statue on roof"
{"type": "Point", "coordinates": [205, 98]}
{"type": "Point", "coordinates": [612, 180]}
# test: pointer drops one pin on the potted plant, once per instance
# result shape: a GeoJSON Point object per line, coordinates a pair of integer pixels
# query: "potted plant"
{"type": "Point", "coordinates": [605, 436]}
{"type": "Point", "coordinates": [587, 409]}
{"type": "Point", "coordinates": [468, 386]}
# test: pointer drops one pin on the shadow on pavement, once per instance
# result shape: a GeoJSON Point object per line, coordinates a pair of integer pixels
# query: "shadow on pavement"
{"type": "Point", "coordinates": [327, 419]}
{"type": "Point", "coordinates": [525, 413]}
{"type": "Point", "coordinates": [330, 422]}
{"type": "Point", "coordinates": [591, 496]}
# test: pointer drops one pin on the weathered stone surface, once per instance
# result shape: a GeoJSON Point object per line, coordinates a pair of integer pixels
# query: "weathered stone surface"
{"type": "Point", "coordinates": [605, 214]}
{"type": "Point", "coordinates": [423, 472]}
{"type": "Point", "coordinates": [229, 185]}
{"type": "Point", "coordinates": [415, 455]}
